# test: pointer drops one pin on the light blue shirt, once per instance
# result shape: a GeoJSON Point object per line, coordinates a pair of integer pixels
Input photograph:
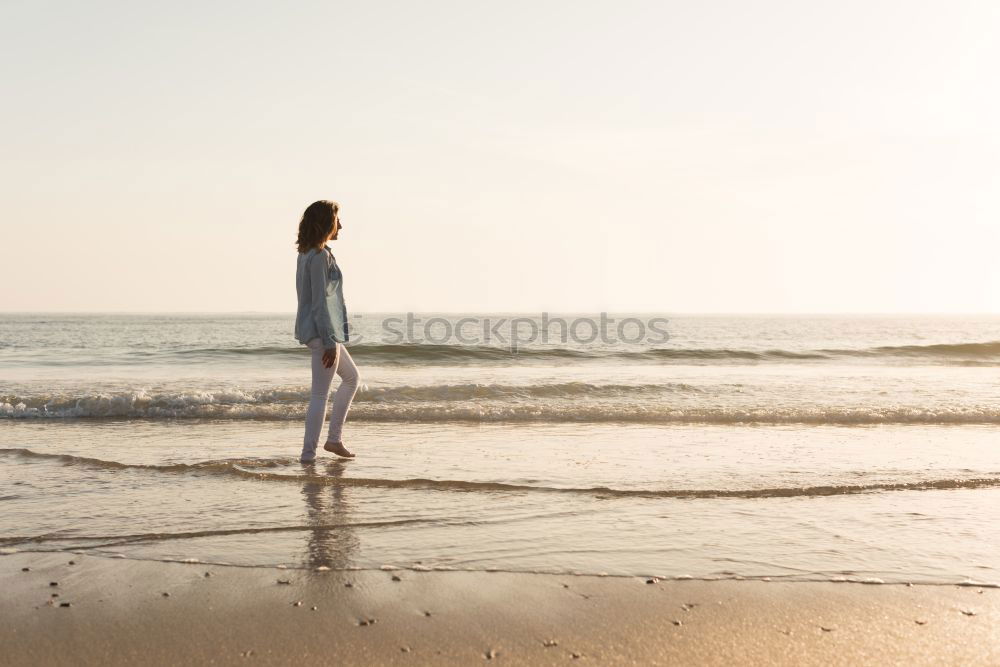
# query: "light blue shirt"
{"type": "Point", "coordinates": [320, 287]}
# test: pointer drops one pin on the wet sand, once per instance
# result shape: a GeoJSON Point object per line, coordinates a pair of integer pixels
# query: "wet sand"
{"type": "Point", "coordinates": [128, 612]}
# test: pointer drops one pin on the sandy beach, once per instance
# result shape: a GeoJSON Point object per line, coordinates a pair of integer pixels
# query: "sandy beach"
{"type": "Point", "coordinates": [126, 612]}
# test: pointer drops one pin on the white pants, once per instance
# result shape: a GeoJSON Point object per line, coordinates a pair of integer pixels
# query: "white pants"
{"type": "Point", "coordinates": [321, 380]}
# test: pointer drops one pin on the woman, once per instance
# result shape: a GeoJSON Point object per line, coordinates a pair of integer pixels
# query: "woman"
{"type": "Point", "coordinates": [321, 324]}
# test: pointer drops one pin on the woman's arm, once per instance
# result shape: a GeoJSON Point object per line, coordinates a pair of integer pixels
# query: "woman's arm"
{"type": "Point", "coordinates": [319, 276]}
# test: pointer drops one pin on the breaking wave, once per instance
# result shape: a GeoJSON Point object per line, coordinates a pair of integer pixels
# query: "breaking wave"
{"type": "Point", "coordinates": [545, 402]}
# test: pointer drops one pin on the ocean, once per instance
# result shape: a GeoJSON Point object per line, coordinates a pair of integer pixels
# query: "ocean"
{"type": "Point", "coordinates": [845, 448]}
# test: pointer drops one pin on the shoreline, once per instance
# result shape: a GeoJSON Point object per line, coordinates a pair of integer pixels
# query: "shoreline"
{"type": "Point", "coordinates": [126, 611]}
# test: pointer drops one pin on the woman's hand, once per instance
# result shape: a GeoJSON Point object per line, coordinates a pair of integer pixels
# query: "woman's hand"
{"type": "Point", "coordinates": [331, 356]}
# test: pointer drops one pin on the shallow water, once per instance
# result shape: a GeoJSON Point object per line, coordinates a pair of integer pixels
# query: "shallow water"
{"type": "Point", "coordinates": [876, 463]}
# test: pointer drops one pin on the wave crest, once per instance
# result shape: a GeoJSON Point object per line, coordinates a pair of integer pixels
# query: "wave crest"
{"type": "Point", "coordinates": [455, 353]}
{"type": "Point", "coordinates": [482, 403]}
{"type": "Point", "coordinates": [968, 353]}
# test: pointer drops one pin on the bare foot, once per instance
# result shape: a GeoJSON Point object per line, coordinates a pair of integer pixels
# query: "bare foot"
{"type": "Point", "coordinates": [338, 449]}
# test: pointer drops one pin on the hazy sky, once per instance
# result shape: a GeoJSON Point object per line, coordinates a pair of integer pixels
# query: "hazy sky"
{"type": "Point", "coordinates": [714, 156]}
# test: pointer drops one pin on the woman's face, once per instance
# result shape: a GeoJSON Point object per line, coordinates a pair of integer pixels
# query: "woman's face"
{"type": "Point", "coordinates": [336, 227]}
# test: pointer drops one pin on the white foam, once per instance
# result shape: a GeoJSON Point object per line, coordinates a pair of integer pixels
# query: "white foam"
{"type": "Point", "coordinates": [566, 402]}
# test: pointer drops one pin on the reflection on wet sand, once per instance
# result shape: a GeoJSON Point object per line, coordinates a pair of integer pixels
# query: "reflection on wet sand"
{"type": "Point", "coordinates": [331, 541]}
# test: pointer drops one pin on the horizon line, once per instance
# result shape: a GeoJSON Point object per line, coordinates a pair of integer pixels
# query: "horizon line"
{"type": "Point", "coordinates": [516, 312]}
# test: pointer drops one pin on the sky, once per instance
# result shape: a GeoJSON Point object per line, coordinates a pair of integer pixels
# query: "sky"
{"type": "Point", "coordinates": [680, 157]}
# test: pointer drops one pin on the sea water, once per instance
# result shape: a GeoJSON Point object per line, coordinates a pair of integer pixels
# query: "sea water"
{"type": "Point", "coordinates": [858, 448]}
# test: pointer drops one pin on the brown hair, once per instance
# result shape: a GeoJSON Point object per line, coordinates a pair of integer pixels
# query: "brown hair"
{"type": "Point", "coordinates": [316, 224]}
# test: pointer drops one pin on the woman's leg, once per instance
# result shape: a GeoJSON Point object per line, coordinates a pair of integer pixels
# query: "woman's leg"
{"type": "Point", "coordinates": [350, 379]}
{"type": "Point", "coordinates": [318, 395]}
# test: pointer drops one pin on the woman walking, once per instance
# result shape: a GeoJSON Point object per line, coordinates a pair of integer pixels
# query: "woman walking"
{"type": "Point", "coordinates": [321, 324]}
